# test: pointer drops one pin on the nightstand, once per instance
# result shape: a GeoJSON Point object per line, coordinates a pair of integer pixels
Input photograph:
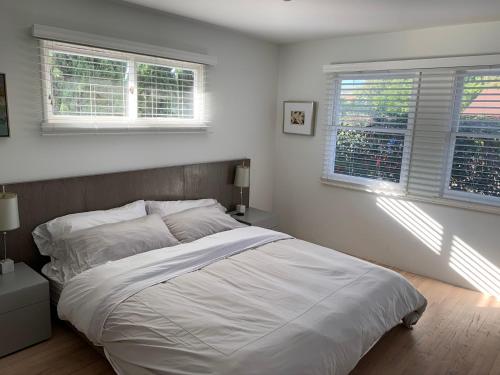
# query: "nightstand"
{"type": "Point", "coordinates": [258, 218]}
{"type": "Point", "coordinates": [24, 309]}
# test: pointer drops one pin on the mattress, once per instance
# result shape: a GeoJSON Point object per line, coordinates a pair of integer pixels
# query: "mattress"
{"type": "Point", "coordinates": [247, 301]}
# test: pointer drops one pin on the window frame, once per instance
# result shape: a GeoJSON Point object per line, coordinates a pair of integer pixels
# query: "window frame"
{"type": "Point", "coordinates": [377, 185]}
{"type": "Point", "coordinates": [447, 192]}
{"type": "Point", "coordinates": [130, 121]}
{"type": "Point", "coordinates": [416, 188]}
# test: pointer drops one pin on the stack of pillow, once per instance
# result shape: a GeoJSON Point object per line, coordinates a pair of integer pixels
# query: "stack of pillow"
{"type": "Point", "coordinates": [81, 241]}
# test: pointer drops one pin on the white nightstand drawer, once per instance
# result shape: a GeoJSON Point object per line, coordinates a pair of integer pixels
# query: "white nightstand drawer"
{"type": "Point", "coordinates": [24, 309]}
{"type": "Point", "coordinates": [24, 327]}
{"type": "Point", "coordinates": [17, 299]}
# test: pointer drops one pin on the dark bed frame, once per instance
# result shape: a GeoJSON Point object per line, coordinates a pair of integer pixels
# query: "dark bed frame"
{"type": "Point", "coordinates": [40, 201]}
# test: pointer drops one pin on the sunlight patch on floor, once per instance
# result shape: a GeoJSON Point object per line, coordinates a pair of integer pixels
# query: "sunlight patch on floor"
{"type": "Point", "coordinates": [475, 268]}
{"type": "Point", "coordinates": [416, 221]}
{"type": "Point", "coordinates": [488, 301]}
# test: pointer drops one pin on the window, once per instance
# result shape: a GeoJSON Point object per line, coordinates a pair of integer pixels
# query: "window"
{"type": "Point", "coordinates": [165, 92]}
{"type": "Point", "coordinates": [88, 87]}
{"type": "Point", "coordinates": [372, 126]}
{"type": "Point", "coordinates": [474, 167]}
{"type": "Point", "coordinates": [431, 134]}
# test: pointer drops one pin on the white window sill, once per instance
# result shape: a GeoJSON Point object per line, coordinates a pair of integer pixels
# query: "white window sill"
{"type": "Point", "coordinates": [365, 184]}
{"type": "Point", "coordinates": [473, 206]}
{"type": "Point", "coordinates": [75, 128]}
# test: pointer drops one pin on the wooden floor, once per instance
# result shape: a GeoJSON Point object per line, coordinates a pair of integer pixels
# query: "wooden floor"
{"type": "Point", "coordinates": [458, 334]}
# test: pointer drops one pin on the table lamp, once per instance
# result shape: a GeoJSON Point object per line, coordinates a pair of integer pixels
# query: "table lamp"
{"type": "Point", "coordinates": [241, 180]}
{"type": "Point", "coordinates": [9, 220]}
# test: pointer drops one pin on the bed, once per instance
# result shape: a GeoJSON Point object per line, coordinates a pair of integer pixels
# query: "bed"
{"type": "Point", "coordinates": [246, 300]}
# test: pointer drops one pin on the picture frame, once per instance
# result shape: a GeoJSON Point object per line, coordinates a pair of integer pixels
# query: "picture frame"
{"type": "Point", "coordinates": [4, 114]}
{"type": "Point", "coordinates": [299, 117]}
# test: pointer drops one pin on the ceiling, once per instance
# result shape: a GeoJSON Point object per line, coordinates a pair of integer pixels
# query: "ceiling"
{"type": "Point", "coordinates": [296, 20]}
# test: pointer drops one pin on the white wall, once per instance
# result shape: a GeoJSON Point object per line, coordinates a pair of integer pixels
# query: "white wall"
{"type": "Point", "coordinates": [243, 85]}
{"type": "Point", "coordinates": [350, 220]}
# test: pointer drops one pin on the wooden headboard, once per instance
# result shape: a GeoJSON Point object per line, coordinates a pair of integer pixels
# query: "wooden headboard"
{"type": "Point", "coordinates": [40, 201]}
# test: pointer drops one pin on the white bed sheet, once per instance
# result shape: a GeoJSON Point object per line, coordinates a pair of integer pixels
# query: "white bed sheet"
{"type": "Point", "coordinates": [284, 307]}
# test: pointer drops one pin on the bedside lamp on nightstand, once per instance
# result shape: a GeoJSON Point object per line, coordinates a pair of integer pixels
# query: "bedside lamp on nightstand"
{"type": "Point", "coordinates": [241, 180]}
{"type": "Point", "coordinates": [9, 220]}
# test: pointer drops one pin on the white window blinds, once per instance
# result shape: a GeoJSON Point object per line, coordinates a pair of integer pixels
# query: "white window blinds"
{"type": "Point", "coordinates": [431, 134]}
{"type": "Point", "coordinates": [83, 82]}
{"type": "Point", "coordinates": [369, 138]}
{"type": "Point", "coordinates": [426, 133]}
{"type": "Point", "coordinates": [166, 91]}
{"type": "Point", "coordinates": [94, 88]}
{"type": "Point", "coordinates": [475, 145]}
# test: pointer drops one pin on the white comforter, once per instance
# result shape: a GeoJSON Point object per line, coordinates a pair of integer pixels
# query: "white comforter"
{"type": "Point", "coordinates": [246, 301]}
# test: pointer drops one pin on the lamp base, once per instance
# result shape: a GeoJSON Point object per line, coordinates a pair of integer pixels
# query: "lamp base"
{"type": "Point", "coordinates": [240, 209]}
{"type": "Point", "coordinates": [6, 266]}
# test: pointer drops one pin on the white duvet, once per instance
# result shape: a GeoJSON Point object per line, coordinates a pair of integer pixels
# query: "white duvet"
{"type": "Point", "coordinates": [245, 301]}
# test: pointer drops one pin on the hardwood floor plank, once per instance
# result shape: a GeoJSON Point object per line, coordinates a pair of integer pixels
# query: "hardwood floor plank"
{"type": "Point", "coordinates": [459, 334]}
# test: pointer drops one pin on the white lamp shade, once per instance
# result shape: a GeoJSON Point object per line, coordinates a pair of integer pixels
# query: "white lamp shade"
{"type": "Point", "coordinates": [242, 177]}
{"type": "Point", "coordinates": [9, 214]}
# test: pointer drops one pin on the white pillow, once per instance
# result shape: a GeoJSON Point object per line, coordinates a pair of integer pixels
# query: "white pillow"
{"type": "Point", "coordinates": [165, 208]}
{"type": "Point", "coordinates": [46, 234]}
{"type": "Point", "coordinates": [198, 222]}
{"type": "Point", "coordinates": [91, 247]}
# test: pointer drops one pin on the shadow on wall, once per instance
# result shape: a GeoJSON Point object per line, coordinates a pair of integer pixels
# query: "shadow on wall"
{"type": "Point", "coordinates": [464, 260]}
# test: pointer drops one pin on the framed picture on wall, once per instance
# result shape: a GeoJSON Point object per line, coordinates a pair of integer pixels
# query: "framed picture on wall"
{"type": "Point", "coordinates": [299, 117]}
{"type": "Point", "coordinates": [4, 117]}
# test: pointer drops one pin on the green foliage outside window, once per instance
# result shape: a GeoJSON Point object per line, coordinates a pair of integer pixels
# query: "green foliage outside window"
{"type": "Point", "coordinates": [476, 166]}
{"type": "Point", "coordinates": [476, 159]}
{"type": "Point", "coordinates": [372, 104]}
{"type": "Point", "coordinates": [87, 86]}
{"type": "Point", "coordinates": [92, 86]}
{"type": "Point", "coordinates": [164, 91]}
